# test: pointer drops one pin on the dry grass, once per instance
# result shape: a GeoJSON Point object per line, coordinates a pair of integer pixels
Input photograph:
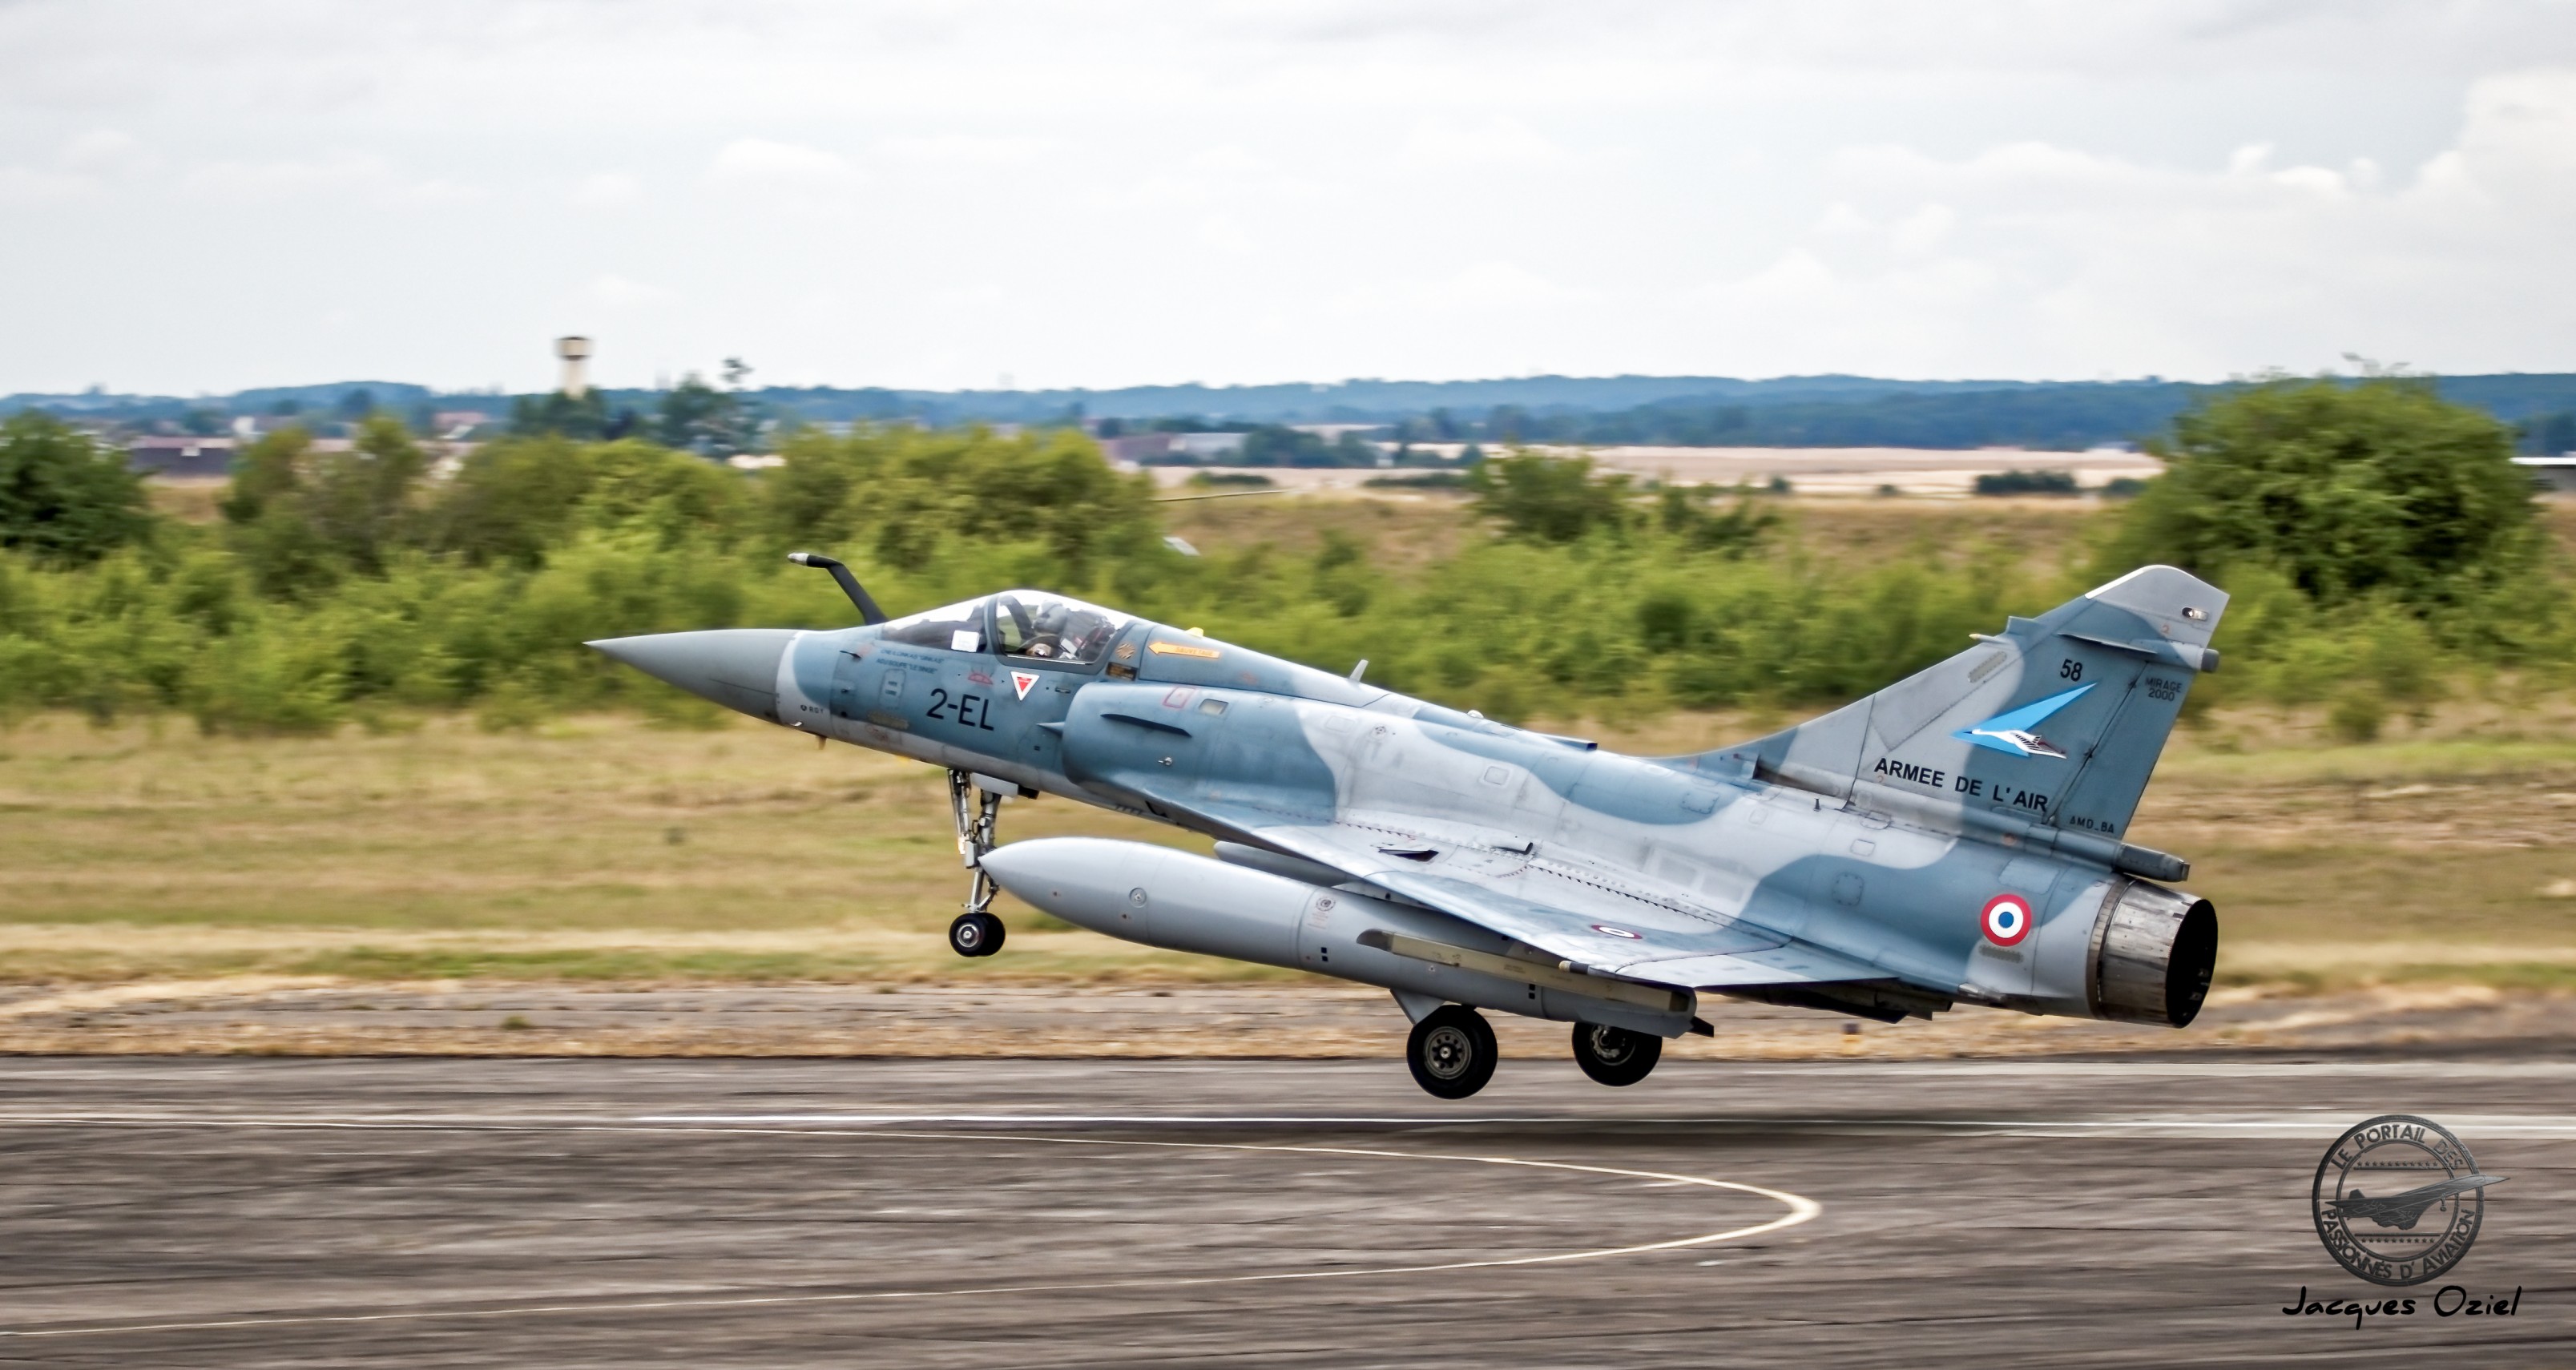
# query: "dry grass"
{"type": "Point", "coordinates": [593, 849]}
{"type": "Point", "coordinates": [189, 499]}
{"type": "Point", "coordinates": [1406, 532]}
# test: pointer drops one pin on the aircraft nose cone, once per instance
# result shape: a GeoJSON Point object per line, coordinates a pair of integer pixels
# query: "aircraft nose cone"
{"type": "Point", "coordinates": [735, 667]}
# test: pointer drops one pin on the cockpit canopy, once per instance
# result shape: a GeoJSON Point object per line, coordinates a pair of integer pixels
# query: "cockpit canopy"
{"type": "Point", "coordinates": [1046, 627]}
{"type": "Point", "coordinates": [1027, 625]}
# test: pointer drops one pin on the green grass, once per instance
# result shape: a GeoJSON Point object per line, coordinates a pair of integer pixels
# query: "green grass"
{"type": "Point", "coordinates": [591, 850]}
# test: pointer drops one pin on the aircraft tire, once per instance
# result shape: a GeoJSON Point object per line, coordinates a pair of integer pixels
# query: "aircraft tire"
{"type": "Point", "coordinates": [1615, 1056]}
{"type": "Point", "coordinates": [1451, 1052]}
{"type": "Point", "coordinates": [975, 934]}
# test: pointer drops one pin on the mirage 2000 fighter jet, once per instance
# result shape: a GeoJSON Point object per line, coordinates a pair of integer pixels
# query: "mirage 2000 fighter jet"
{"type": "Point", "coordinates": [1955, 838]}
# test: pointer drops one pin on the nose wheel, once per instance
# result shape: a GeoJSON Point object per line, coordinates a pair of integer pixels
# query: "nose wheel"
{"type": "Point", "coordinates": [1451, 1052]}
{"type": "Point", "coordinates": [1615, 1056]}
{"type": "Point", "coordinates": [977, 810]}
{"type": "Point", "coordinates": [975, 934]}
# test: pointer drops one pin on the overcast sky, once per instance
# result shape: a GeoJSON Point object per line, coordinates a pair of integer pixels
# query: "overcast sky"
{"type": "Point", "coordinates": [209, 194]}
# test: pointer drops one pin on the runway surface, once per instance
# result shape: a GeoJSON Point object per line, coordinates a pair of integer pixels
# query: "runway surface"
{"type": "Point", "coordinates": [1011, 1212]}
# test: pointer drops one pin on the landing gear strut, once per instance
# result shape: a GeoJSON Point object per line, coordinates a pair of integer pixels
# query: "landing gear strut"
{"type": "Point", "coordinates": [976, 932]}
{"type": "Point", "coordinates": [1615, 1056]}
{"type": "Point", "coordinates": [1452, 1051]}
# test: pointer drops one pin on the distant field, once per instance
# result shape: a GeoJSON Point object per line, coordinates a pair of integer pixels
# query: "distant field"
{"type": "Point", "coordinates": [593, 848]}
{"type": "Point", "coordinates": [1830, 471]}
{"type": "Point", "coordinates": [1405, 531]}
{"type": "Point", "coordinates": [598, 849]}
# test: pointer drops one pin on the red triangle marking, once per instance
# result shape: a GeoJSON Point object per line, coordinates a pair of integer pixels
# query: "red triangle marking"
{"type": "Point", "coordinates": [1022, 680]}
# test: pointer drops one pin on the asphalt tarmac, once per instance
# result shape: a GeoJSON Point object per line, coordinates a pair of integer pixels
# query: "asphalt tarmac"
{"type": "Point", "coordinates": [248, 1211]}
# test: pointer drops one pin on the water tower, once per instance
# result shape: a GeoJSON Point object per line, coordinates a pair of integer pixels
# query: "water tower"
{"type": "Point", "coordinates": [576, 365]}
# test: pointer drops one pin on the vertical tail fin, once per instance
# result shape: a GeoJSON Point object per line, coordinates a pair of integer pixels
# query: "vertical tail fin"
{"type": "Point", "coordinates": [2051, 727]}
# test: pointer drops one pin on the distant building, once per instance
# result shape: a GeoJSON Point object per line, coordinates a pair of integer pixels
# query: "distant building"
{"type": "Point", "coordinates": [1206, 446]}
{"type": "Point", "coordinates": [1136, 448]}
{"type": "Point", "coordinates": [2551, 473]}
{"type": "Point", "coordinates": [160, 455]}
{"type": "Point", "coordinates": [456, 425]}
{"type": "Point", "coordinates": [575, 352]}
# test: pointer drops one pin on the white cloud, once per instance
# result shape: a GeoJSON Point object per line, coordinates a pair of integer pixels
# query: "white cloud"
{"type": "Point", "coordinates": [107, 152]}
{"type": "Point", "coordinates": [353, 176]}
{"type": "Point", "coordinates": [1493, 285]}
{"type": "Point", "coordinates": [1222, 232]}
{"type": "Point", "coordinates": [605, 190]}
{"type": "Point", "coordinates": [1499, 140]}
{"type": "Point", "coordinates": [26, 185]}
{"type": "Point", "coordinates": [435, 191]}
{"type": "Point", "coordinates": [1331, 187]}
{"type": "Point", "coordinates": [86, 166]}
{"type": "Point", "coordinates": [1226, 160]}
{"type": "Point", "coordinates": [2071, 263]}
{"type": "Point", "coordinates": [763, 167]}
{"type": "Point", "coordinates": [344, 174]}
{"type": "Point", "coordinates": [966, 150]}
{"type": "Point", "coordinates": [620, 292]}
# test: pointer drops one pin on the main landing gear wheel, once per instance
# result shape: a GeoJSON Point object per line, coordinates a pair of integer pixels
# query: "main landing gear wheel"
{"type": "Point", "coordinates": [1615, 1056]}
{"type": "Point", "coordinates": [975, 934]}
{"type": "Point", "coordinates": [1452, 1052]}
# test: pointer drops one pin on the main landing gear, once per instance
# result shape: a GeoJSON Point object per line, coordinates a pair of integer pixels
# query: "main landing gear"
{"type": "Point", "coordinates": [1452, 1051]}
{"type": "Point", "coordinates": [1615, 1056]}
{"type": "Point", "coordinates": [976, 932]}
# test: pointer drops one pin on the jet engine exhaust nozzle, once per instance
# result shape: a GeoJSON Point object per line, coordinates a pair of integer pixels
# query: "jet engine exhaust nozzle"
{"type": "Point", "coordinates": [2152, 955]}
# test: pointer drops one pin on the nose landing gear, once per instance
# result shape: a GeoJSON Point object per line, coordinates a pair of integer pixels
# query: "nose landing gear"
{"type": "Point", "coordinates": [976, 932]}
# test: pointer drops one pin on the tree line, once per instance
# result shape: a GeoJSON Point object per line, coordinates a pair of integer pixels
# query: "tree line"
{"type": "Point", "coordinates": [2381, 547]}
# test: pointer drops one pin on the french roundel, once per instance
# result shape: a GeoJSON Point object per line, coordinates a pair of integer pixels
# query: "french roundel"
{"type": "Point", "coordinates": [2006, 919]}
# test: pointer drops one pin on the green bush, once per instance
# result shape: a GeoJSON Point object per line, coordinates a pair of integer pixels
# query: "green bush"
{"type": "Point", "coordinates": [63, 497]}
{"type": "Point", "coordinates": [343, 585]}
{"type": "Point", "coordinates": [1552, 499]}
{"type": "Point", "coordinates": [2349, 489]}
{"type": "Point", "coordinates": [2026, 483]}
{"type": "Point", "coordinates": [2357, 714]}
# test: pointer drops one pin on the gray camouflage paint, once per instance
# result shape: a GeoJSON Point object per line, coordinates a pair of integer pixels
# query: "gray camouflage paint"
{"type": "Point", "coordinates": [1841, 863]}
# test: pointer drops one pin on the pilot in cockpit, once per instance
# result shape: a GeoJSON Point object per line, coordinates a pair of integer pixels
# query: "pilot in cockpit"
{"type": "Point", "coordinates": [1047, 639]}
